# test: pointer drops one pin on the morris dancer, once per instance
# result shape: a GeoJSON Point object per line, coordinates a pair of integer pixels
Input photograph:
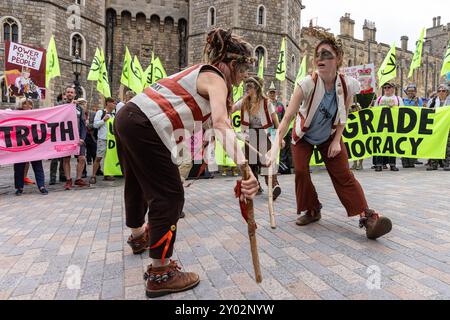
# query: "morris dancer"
{"type": "Point", "coordinates": [327, 97]}
{"type": "Point", "coordinates": [258, 114]}
{"type": "Point", "coordinates": [147, 132]}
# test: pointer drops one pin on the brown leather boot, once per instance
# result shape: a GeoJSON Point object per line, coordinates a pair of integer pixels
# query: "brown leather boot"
{"type": "Point", "coordinates": [168, 279]}
{"type": "Point", "coordinates": [375, 224]}
{"type": "Point", "coordinates": [309, 217]}
{"type": "Point", "coordinates": [140, 244]}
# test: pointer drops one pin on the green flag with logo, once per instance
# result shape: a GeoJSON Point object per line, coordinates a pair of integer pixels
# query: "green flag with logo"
{"type": "Point", "coordinates": [302, 72]}
{"type": "Point", "coordinates": [281, 66]}
{"type": "Point", "coordinates": [261, 68]}
{"type": "Point", "coordinates": [125, 78]}
{"type": "Point", "coordinates": [388, 69]}
{"type": "Point", "coordinates": [154, 72]}
{"type": "Point", "coordinates": [446, 63]}
{"type": "Point", "coordinates": [103, 81]}
{"type": "Point", "coordinates": [135, 76]}
{"type": "Point", "coordinates": [52, 66]}
{"type": "Point", "coordinates": [417, 59]}
{"type": "Point", "coordinates": [94, 72]}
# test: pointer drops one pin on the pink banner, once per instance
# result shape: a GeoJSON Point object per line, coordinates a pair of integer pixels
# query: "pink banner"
{"type": "Point", "coordinates": [29, 135]}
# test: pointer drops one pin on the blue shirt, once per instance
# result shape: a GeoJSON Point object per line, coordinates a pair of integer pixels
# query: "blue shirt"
{"type": "Point", "coordinates": [412, 103]}
{"type": "Point", "coordinates": [320, 129]}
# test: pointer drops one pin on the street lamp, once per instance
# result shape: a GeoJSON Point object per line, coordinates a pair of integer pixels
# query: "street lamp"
{"type": "Point", "coordinates": [76, 69]}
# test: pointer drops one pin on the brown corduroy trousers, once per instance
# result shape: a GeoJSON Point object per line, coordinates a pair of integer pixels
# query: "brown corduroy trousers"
{"type": "Point", "coordinates": [152, 180]}
{"type": "Point", "coordinates": [347, 187]}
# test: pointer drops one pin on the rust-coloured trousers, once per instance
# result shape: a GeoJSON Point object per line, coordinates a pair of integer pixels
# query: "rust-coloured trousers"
{"type": "Point", "coordinates": [347, 187]}
{"type": "Point", "coordinates": [152, 180]}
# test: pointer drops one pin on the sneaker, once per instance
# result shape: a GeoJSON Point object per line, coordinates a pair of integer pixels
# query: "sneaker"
{"type": "Point", "coordinates": [93, 180]}
{"type": "Point", "coordinates": [81, 183]}
{"type": "Point", "coordinates": [140, 244]}
{"type": "Point", "coordinates": [19, 192]}
{"type": "Point", "coordinates": [375, 224]}
{"type": "Point", "coordinates": [27, 180]}
{"type": "Point", "coordinates": [109, 178]}
{"type": "Point", "coordinates": [168, 279]}
{"type": "Point", "coordinates": [68, 185]}
{"type": "Point", "coordinates": [309, 217]}
{"type": "Point", "coordinates": [276, 192]}
{"type": "Point", "coordinates": [43, 191]}
{"type": "Point", "coordinates": [394, 168]}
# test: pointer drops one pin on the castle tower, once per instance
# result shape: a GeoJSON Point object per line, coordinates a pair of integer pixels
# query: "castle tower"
{"type": "Point", "coordinates": [263, 23]}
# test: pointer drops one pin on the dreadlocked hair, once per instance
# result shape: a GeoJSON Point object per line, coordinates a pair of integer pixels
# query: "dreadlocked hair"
{"type": "Point", "coordinates": [223, 47]}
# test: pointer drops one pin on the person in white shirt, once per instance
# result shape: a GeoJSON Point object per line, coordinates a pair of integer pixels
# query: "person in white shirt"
{"type": "Point", "coordinates": [391, 100]}
{"type": "Point", "coordinates": [100, 123]}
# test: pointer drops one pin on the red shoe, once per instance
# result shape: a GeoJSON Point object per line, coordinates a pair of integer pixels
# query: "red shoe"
{"type": "Point", "coordinates": [68, 185]}
{"type": "Point", "coordinates": [81, 183]}
{"type": "Point", "coordinates": [27, 180]}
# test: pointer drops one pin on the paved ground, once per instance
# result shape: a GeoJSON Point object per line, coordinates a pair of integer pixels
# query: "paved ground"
{"type": "Point", "coordinates": [71, 245]}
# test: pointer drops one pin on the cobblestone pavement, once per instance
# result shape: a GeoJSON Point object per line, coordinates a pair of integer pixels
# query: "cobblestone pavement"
{"type": "Point", "coordinates": [72, 244]}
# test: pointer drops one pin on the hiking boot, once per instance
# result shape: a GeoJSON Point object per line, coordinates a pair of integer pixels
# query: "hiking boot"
{"type": "Point", "coordinates": [68, 185]}
{"type": "Point", "coordinates": [375, 224]}
{"type": "Point", "coordinates": [81, 183]}
{"type": "Point", "coordinates": [168, 279]}
{"type": "Point", "coordinates": [310, 216]}
{"type": "Point", "coordinates": [276, 192]}
{"type": "Point", "coordinates": [140, 244]}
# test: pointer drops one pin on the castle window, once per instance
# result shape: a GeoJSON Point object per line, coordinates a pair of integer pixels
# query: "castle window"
{"type": "Point", "coordinates": [80, 2]}
{"type": "Point", "coordinates": [77, 44]}
{"type": "Point", "coordinates": [261, 16]}
{"type": "Point", "coordinates": [260, 52]}
{"type": "Point", "coordinates": [293, 66]}
{"type": "Point", "coordinates": [212, 17]}
{"type": "Point", "coordinates": [11, 29]}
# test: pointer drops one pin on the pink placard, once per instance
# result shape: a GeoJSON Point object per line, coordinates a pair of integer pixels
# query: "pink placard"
{"type": "Point", "coordinates": [29, 135]}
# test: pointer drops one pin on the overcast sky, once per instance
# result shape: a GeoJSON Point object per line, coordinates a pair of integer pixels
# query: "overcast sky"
{"type": "Point", "coordinates": [392, 18]}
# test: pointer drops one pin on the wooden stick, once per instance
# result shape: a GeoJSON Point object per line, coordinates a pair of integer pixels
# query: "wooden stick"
{"type": "Point", "coordinates": [251, 226]}
{"type": "Point", "coordinates": [273, 224]}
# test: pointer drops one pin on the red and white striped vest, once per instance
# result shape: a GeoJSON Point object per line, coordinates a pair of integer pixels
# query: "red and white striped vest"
{"type": "Point", "coordinates": [266, 118]}
{"type": "Point", "coordinates": [173, 103]}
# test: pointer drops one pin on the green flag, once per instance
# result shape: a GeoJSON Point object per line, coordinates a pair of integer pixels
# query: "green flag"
{"type": "Point", "coordinates": [103, 81]}
{"type": "Point", "coordinates": [281, 66]}
{"type": "Point", "coordinates": [154, 72]}
{"type": "Point", "coordinates": [302, 72]}
{"type": "Point", "coordinates": [52, 66]}
{"type": "Point", "coordinates": [446, 63]}
{"type": "Point", "coordinates": [388, 69]}
{"type": "Point", "coordinates": [94, 72]}
{"type": "Point", "coordinates": [136, 73]}
{"type": "Point", "coordinates": [124, 79]}
{"type": "Point", "coordinates": [238, 92]}
{"type": "Point", "coordinates": [261, 68]}
{"type": "Point", "coordinates": [417, 59]}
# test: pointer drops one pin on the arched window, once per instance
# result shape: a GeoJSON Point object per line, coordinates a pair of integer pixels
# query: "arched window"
{"type": "Point", "coordinates": [261, 16]}
{"type": "Point", "coordinates": [259, 53]}
{"type": "Point", "coordinates": [211, 17]}
{"type": "Point", "coordinates": [77, 44]}
{"type": "Point", "coordinates": [294, 66]}
{"type": "Point", "coordinates": [11, 29]}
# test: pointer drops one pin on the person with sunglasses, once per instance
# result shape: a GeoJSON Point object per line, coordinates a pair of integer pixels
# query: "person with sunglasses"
{"type": "Point", "coordinates": [322, 102]}
{"type": "Point", "coordinates": [442, 99]}
{"type": "Point", "coordinates": [258, 115]}
{"type": "Point", "coordinates": [389, 99]}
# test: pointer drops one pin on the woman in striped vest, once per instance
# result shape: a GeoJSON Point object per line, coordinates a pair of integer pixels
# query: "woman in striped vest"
{"type": "Point", "coordinates": [258, 114]}
{"type": "Point", "coordinates": [149, 130]}
{"type": "Point", "coordinates": [322, 102]}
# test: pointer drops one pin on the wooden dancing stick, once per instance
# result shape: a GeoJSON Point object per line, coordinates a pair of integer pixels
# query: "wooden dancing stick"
{"type": "Point", "coordinates": [273, 224]}
{"type": "Point", "coordinates": [251, 224]}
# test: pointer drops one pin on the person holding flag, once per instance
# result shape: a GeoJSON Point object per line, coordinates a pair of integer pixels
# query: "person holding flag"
{"type": "Point", "coordinates": [322, 102]}
{"type": "Point", "coordinates": [148, 129]}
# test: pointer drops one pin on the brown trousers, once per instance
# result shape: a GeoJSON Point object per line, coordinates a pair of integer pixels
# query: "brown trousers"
{"type": "Point", "coordinates": [347, 187]}
{"type": "Point", "coordinates": [152, 180]}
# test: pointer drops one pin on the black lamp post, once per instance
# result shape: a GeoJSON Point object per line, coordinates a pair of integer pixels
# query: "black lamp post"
{"type": "Point", "coordinates": [76, 69]}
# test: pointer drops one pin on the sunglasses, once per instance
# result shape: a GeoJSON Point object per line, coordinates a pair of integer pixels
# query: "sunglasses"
{"type": "Point", "coordinates": [325, 55]}
{"type": "Point", "coordinates": [442, 90]}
